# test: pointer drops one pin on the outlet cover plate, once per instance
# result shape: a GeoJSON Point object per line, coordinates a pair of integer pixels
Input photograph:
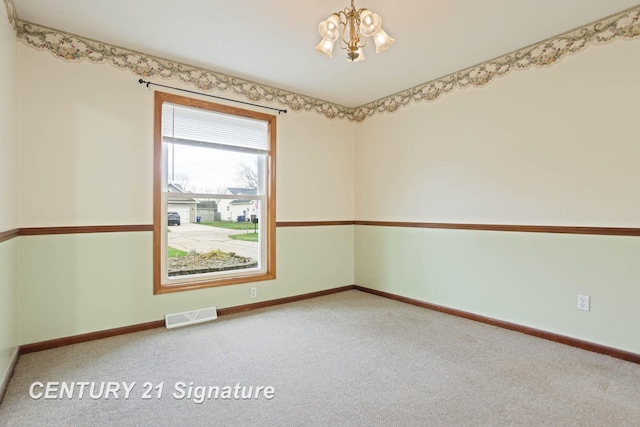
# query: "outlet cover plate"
{"type": "Point", "coordinates": [584, 302]}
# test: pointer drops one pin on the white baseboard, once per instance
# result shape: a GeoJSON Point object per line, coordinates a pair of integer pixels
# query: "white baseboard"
{"type": "Point", "coordinates": [6, 377]}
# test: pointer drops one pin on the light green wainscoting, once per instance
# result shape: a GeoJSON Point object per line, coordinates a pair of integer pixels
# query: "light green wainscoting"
{"type": "Point", "coordinates": [8, 309]}
{"type": "Point", "coordinates": [81, 283]}
{"type": "Point", "coordinates": [530, 279]}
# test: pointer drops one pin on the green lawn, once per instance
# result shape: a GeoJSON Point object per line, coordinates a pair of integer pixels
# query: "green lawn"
{"type": "Point", "coordinates": [175, 253]}
{"type": "Point", "coordinates": [231, 225]}
{"type": "Point", "coordinates": [247, 237]}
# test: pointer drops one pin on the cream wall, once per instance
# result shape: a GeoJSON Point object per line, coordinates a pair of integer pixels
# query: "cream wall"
{"type": "Point", "coordinates": [553, 146]}
{"type": "Point", "coordinates": [8, 283]}
{"type": "Point", "coordinates": [86, 140]}
{"type": "Point", "coordinates": [94, 142]}
{"type": "Point", "coordinates": [315, 169]}
{"type": "Point", "coordinates": [86, 144]}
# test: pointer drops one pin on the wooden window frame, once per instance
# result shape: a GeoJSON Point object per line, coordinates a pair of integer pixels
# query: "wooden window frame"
{"type": "Point", "coordinates": [159, 226]}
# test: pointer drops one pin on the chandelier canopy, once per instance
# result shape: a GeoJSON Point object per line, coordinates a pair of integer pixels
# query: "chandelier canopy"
{"type": "Point", "coordinates": [352, 28]}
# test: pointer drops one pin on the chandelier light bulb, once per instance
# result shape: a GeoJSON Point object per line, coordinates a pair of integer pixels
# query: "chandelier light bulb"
{"type": "Point", "coordinates": [335, 19]}
{"type": "Point", "coordinates": [326, 47]}
{"type": "Point", "coordinates": [382, 41]}
{"type": "Point", "coordinates": [370, 23]}
{"type": "Point", "coordinates": [329, 30]}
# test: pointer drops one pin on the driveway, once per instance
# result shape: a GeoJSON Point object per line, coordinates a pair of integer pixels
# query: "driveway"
{"type": "Point", "coordinates": [202, 238]}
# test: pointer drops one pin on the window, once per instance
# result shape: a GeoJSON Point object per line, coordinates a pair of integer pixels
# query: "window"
{"type": "Point", "coordinates": [214, 194]}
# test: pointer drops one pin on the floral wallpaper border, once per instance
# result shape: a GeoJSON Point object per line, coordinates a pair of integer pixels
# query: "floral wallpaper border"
{"type": "Point", "coordinates": [70, 47]}
{"type": "Point", "coordinates": [75, 48]}
{"type": "Point", "coordinates": [624, 25]}
{"type": "Point", "coordinates": [11, 14]}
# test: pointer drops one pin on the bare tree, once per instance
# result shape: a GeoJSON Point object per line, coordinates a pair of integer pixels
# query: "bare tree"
{"type": "Point", "coordinates": [247, 175]}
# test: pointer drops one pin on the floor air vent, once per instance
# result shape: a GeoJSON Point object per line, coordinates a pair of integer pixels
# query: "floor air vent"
{"type": "Point", "coordinates": [190, 317]}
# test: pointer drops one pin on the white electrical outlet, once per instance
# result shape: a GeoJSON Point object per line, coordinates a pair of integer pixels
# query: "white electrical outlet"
{"type": "Point", "coordinates": [584, 302]}
{"type": "Point", "coordinates": [254, 292]}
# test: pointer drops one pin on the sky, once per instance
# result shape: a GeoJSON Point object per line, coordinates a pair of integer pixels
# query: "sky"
{"type": "Point", "coordinates": [207, 170]}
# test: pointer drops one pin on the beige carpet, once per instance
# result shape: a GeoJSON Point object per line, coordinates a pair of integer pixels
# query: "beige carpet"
{"type": "Point", "coordinates": [344, 359]}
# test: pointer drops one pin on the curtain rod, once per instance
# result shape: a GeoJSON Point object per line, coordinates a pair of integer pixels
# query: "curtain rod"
{"type": "Point", "coordinates": [212, 96]}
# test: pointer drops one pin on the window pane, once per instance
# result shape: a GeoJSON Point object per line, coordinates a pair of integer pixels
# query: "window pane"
{"type": "Point", "coordinates": [208, 170]}
{"type": "Point", "coordinates": [199, 242]}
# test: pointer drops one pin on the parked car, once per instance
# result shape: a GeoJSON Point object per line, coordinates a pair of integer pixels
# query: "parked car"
{"type": "Point", "coordinates": [173, 218]}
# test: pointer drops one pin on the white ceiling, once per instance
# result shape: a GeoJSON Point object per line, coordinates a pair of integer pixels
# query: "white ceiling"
{"type": "Point", "coordinates": [272, 42]}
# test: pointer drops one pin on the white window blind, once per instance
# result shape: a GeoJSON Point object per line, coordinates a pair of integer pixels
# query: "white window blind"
{"type": "Point", "coordinates": [186, 124]}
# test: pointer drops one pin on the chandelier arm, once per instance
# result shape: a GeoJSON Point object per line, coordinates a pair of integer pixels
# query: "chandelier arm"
{"type": "Point", "coordinates": [342, 42]}
{"type": "Point", "coordinates": [343, 27]}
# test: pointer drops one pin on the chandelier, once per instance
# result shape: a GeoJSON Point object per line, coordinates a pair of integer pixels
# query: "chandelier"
{"type": "Point", "coordinates": [352, 28]}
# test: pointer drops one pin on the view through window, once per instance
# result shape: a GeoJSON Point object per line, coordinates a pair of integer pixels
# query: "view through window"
{"type": "Point", "coordinates": [214, 194]}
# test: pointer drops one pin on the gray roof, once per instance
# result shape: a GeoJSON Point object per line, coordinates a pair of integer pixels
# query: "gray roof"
{"type": "Point", "coordinates": [240, 202]}
{"type": "Point", "coordinates": [243, 191]}
{"type": "Point", "coordinates": [174, 187]}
